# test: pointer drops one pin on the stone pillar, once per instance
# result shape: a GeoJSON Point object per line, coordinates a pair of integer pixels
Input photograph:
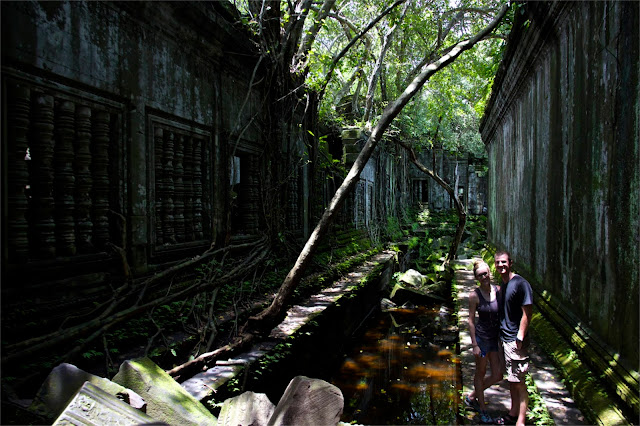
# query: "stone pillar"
{"type": "Point", "coordinates": [100, 174]}
{"type": "Point", "coordinates": [84, 181]}
{"type": "Point", "coordinates": [64, 180]}
{"type": "Point", "coordinates": [42, 173]}
{"type": "Point", "coordinates": [141, 206]}
{"type": "Point", "coordinates": [19, 106]}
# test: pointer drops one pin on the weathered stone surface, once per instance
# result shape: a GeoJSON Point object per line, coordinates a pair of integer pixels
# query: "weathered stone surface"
{"type": "Point", "coordinates": [247, 409]}
{"type": "Point", "coordinates": [166, 400]}
{"type": "Point", "coordinates": [93, 406]}
{"type": "Point", "coordinates": [65, 380]}
{"type": "Point", "coordinates": [413, 278]}
{"type": "Point", "coordinates": [387, 305]}
{"type": "Point", "coordinates": [401, 295]}
{"type": "Point", "coordinates": [203, 385]}
{"type": "Point", "coordinates": [309, 402]}
{"type": "Point", "coordinates": [561, 132]}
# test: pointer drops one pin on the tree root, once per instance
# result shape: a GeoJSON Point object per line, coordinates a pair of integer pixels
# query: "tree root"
{"type": "Point", "coordinates": [201, 363]}
{"type": "Point", "coordinates": [110, 317]}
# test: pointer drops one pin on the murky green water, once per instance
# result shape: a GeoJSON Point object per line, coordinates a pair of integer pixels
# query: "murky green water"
{"type": "Point", "coordinates": [402, 371]}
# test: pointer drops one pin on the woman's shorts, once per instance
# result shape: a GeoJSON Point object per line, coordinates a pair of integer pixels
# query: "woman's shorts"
{"type": "Point", "coordinates": [487, 345]}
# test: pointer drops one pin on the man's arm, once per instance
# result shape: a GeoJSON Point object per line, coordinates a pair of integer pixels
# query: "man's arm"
{"type": "Point", "coordinates": [527, 310]}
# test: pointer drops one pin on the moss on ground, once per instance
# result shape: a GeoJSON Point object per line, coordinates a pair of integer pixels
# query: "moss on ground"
{"type": "Point", "coordinates": [590, 396]}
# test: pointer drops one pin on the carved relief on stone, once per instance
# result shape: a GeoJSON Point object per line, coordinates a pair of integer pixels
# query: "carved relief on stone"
{"type": "Point", "coordinates": [83, 179]}
{"type": "Point", "coordinates": [58, 177]}
{"type": "Point", "coordinates": [197, 188]}
{"type": "Point", "coordinates": [158, 138]}
{"type": "Point", "coordinates": [251, 196]}
{"type": "Point", "coordinates": [167, 202]}
{"type": "Point", "coordinates": [293, 203]}
{"type": "Point", "coordinates": [179, 184]}
{"type": "Point", "coordinates": [188, 189]}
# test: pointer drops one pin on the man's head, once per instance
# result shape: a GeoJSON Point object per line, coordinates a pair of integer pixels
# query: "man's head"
{"type": "Point", "coordinates": [503, 263]}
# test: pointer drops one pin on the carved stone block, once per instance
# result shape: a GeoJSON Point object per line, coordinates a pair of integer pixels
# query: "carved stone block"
{"type": "Point", "coordinates": [248, 408]}
{"type": "Point", "coordinates": [309, 402]}
{"type": "Point", "coordinates": [93, 406]}
{"type": "Point", "coordinates": [65, 380]}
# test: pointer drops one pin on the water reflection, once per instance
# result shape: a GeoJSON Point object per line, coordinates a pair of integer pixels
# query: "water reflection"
{"type": "Point", "coordinates": [402, 371]}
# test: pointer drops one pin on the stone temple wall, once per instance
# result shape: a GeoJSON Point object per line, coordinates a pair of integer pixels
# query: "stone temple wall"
{"type": "Point", "coordinates": [562, 132]}
{"type": "Point", "coordinates": [382, 191]}
{"type": "Point", "coordinates": [132, 141]}
{"type": "Point", "coordinates": [119, 129]}
{"type": "Point", "coordinates": [467, 171]}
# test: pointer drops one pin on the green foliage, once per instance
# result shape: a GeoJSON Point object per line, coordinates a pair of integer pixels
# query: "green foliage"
{"type": "Point", "coordinates": [487, 254]}
{"type": "Point", "coordinates": [538, 413]}
{"type": "Point", "coordinates": [452, 102]}
{"type": "Point", "coordinates": [92, 354]}
{"type": "Point", "coordinates": [394, 229]}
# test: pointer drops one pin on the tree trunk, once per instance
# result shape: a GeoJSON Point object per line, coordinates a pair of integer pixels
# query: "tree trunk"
{"type": "Point", "coordinates": [460, 209]}
{"type": "Point", "coordinates": [276, 309]}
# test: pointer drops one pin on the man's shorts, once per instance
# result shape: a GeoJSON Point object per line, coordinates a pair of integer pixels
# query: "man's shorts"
{"type": "Point", "coordinates": [516, 361]}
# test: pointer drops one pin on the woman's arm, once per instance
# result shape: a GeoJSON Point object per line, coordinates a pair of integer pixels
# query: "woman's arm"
{"type": "Point", "coordinates": [473, 304]}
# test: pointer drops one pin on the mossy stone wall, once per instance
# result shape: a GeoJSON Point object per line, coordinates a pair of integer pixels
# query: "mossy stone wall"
{"type": "Point", "coordinates": [562, 132]}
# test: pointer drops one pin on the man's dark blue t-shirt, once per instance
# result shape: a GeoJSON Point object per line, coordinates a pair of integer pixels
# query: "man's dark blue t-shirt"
{"type": "Point", "coordinates": [514, 295]}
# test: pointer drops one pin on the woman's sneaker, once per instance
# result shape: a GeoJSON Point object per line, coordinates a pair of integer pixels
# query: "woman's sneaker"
{"type": "Point", "coordinates": [471, 403]}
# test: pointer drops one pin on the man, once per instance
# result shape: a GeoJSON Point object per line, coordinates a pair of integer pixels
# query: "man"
{"type": "Point", "coordinates": [515, 313]}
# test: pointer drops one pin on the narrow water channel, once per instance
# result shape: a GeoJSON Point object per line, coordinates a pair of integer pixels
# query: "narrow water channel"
{"type": "Point", "coordinates": [403, 370]}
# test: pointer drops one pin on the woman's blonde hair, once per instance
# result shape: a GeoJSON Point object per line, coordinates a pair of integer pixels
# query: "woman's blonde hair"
{"type": "Point", "coordinates": [479, 263]}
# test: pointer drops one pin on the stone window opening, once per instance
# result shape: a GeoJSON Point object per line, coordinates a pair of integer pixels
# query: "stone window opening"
{"type": "Point", "coordinates": [181, 194]}
{"type": "Point", "coordinates": [63, 154]}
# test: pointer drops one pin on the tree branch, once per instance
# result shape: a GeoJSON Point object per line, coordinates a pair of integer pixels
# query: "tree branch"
{"type": "Point", "coordinates": [344, 51]}
{"type": "Point", "coordinates": [301, 58]}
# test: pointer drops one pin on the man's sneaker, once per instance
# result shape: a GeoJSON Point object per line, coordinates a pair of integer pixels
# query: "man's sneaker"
{"type": "Point", "coordinates": [486, 419]}
{"type": "Point", "coordinates": [471, 403]}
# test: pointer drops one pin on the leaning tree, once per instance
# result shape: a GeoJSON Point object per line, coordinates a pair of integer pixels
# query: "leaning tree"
{"type": "Point", "coordinates": [443, 55]}
{"type": "Point", "coordinates": [313, 54]}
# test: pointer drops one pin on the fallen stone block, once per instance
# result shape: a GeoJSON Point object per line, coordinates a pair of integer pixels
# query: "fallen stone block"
{"type": "Point", "coordinates": [309, 402]}
{"type": "Point", "coordinates": [413, 278]}
{"type": "Point", "coordinates": [166, 400]}
{"type": "Point", "coordinates": [247, 409]}
{"type": "Point", "coordinates": [401, 295]}
{"type": "Point", "coordinates": [93, 406]}
{"type": "Point", "coordinates": [64, 381]}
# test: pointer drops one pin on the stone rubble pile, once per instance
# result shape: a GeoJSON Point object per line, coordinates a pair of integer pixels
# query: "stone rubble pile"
{"type": "Point", "coordinates": [143, 393]}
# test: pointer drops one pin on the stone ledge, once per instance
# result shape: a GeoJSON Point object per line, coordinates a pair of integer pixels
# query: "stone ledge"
{"type": "Point", "coordinates": [585, 390]}
{"type": "Point", "coordinates": [204, 385]}
{"type": "Point", "coordinates": [596, 354]}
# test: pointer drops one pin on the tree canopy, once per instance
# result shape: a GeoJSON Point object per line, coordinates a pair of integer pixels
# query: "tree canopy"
{"type": "Point", "coordinates": [407, 39]}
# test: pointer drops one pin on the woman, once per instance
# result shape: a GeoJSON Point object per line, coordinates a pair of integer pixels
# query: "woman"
{"type": "Point", "coordinates": [484, 337]}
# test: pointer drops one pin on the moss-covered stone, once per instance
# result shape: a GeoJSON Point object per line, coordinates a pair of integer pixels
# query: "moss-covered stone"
{"type": "Point", "coordinates": [64, 381]}
{"type": "Point", "coordinates": [591, 397]}
{"type": "Point", "coordinates": [166, 400]}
